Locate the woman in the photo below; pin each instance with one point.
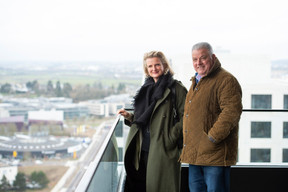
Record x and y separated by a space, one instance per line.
152 148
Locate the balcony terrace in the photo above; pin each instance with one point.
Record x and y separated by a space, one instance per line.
107 174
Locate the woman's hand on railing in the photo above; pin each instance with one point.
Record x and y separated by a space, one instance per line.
125 114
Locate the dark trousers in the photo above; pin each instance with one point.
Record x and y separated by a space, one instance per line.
137 182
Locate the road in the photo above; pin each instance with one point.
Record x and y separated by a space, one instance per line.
72 177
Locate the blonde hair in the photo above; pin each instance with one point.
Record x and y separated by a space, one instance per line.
162 58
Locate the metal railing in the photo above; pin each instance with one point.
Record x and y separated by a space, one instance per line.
107 173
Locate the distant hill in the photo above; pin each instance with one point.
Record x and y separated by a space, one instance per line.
73 72
69 65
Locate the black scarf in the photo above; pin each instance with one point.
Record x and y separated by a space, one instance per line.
146 98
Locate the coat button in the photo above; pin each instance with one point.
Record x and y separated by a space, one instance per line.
196 89
187 115
189 101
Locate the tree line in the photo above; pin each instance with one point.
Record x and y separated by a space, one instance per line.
37 180
77 93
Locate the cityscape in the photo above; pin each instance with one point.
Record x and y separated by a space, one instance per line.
67 66
48 129
41 130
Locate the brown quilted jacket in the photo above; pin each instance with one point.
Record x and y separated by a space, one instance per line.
210 123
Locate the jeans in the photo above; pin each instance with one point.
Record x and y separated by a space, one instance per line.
209 178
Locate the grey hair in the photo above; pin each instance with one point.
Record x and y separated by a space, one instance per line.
203 45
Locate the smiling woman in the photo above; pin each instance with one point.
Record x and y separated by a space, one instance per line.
152 143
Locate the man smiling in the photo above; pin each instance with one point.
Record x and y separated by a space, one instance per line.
210 124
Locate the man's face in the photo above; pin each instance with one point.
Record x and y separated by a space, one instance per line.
202 62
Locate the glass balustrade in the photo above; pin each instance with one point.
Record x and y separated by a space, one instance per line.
263 141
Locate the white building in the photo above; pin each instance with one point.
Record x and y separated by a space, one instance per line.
114 107
10 173
41 115
107 106
263 136
96 107
4 112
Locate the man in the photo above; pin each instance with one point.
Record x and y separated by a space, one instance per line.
212 112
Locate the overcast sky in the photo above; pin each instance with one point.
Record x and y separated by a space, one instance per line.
122 30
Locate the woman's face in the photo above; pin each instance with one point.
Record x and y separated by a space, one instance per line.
155 68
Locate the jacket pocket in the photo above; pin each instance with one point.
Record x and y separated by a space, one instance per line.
169 142
209 152
170 146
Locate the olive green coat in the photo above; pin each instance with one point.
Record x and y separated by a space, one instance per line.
210 123
163 167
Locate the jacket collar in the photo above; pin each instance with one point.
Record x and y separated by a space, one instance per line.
215 67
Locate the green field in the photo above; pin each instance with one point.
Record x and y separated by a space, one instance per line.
73 79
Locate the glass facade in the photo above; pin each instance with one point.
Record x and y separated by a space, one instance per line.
260 155
285 129
285 155
261 101
260 129
285 102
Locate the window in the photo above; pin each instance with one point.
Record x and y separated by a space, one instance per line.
261 102
285 102
285 156
260 155
260 129
285 129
